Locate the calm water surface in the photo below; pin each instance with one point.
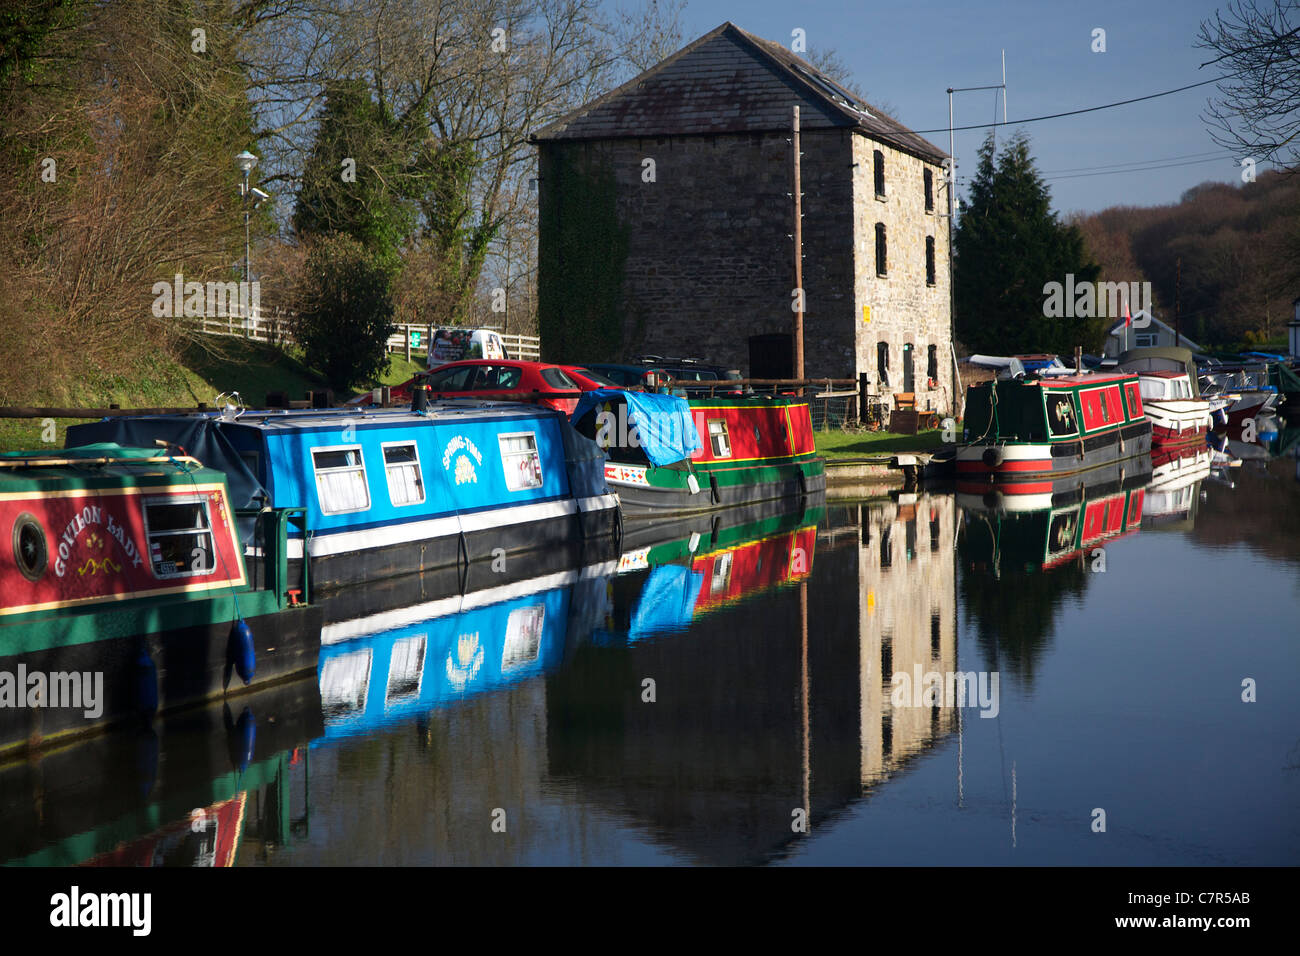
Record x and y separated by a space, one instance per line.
1115 640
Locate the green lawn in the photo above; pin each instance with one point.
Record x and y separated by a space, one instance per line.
400 370
846 444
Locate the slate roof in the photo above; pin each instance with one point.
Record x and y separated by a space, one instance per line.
730 81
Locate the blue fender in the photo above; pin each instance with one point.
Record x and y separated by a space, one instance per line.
243 650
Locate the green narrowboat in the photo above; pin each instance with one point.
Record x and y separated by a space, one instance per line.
123 591
1025 429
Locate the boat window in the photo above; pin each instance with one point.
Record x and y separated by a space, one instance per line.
405 482
720 580
1134 400
31 553
340 480
1153 388
519 459
179 531
405 669
344 682
1060 415
524 630
718 438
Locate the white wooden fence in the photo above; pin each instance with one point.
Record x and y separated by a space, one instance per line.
276 328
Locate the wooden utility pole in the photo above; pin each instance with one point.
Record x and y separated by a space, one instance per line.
1178 288
798 256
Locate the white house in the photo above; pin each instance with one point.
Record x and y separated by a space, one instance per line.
1146 331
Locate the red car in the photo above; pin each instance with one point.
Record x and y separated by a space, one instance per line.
502 379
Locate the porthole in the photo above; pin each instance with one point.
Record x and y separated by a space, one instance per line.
30 551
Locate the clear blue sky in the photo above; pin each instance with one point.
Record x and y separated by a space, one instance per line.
907 55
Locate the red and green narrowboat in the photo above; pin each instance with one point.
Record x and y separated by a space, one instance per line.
669 455
1016 533
1024 428
123 580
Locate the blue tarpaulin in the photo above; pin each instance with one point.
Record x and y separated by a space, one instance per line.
665 429
667 601
199 435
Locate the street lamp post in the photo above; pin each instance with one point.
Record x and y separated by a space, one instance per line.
246 161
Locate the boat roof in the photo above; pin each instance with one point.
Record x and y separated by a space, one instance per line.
1058 381
101 465
316 418
1091 379
1161 373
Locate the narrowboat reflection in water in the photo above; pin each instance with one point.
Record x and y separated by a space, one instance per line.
693 576
397 665
1055 522
392 665
209 836
129 797
1176 477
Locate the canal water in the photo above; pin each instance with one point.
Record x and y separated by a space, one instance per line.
766 689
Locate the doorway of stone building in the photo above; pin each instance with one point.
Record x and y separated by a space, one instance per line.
771 355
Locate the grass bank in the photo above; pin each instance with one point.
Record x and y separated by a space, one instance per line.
846 444
199 374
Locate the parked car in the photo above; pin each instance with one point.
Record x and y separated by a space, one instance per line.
588 379
502 379
623 376
691 376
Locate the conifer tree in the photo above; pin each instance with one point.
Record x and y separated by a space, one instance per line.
1008 245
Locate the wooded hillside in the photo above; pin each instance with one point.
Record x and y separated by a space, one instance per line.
1239 247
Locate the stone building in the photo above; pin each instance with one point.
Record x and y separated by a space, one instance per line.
666 222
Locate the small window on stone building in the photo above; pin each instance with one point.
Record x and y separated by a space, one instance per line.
929 260
882 254
932 364
928 176
878 164
882 363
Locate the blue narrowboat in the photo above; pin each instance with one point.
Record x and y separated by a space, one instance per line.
395 491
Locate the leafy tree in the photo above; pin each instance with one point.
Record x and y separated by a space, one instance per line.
1008 245
352 181
347 310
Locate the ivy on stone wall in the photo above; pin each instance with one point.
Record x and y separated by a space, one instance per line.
582 253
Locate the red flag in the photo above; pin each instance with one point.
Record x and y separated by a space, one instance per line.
1128 318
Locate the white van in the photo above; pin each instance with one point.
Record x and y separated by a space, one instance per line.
452 344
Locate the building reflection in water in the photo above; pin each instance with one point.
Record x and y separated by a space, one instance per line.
907 619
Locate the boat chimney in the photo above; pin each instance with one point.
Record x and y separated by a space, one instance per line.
419 398
1078 359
